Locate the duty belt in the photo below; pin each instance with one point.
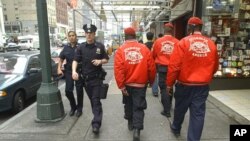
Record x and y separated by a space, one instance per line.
92 76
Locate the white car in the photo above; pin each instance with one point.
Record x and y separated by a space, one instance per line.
25 44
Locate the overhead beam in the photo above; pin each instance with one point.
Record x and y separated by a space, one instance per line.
126 10
92 8
131 0
114 15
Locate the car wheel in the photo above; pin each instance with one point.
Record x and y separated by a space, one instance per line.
18 102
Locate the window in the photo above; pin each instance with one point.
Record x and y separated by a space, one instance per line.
231 33
5 18
34 63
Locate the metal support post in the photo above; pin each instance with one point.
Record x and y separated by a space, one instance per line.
49 101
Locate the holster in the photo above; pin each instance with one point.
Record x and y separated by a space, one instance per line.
104 91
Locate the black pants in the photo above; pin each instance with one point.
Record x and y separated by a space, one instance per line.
192 98
134 106
166 99
69 91
93 88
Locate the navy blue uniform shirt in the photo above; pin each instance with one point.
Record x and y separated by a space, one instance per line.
85 53
68 53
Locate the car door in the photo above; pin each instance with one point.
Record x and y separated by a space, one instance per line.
34 75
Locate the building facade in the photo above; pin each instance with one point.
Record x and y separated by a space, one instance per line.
61 18
2 30
20 16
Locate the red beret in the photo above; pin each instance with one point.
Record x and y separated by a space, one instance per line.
195 21
129 31
169 25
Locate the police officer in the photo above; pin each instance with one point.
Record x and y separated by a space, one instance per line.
68 54
193 63
162 50
92 54
136 60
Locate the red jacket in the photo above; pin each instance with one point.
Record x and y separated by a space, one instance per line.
134 65
163 48
193 61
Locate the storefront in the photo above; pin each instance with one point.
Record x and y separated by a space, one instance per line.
180 13
227 22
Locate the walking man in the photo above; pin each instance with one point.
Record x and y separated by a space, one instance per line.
193 63
162 50
92 55
68 55
134 67
149 44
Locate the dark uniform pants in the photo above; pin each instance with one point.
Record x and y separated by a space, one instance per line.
135 104
166 99
194 98
93 88
69 91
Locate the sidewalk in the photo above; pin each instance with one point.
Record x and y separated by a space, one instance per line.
23 127
234 103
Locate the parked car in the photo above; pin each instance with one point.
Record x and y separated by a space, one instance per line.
20 78
1 46
11 47
25 45
55 52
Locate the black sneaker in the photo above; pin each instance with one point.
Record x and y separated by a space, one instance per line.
130 125
166 114
155 94
175 132
78 113
72 112
95 130
136 136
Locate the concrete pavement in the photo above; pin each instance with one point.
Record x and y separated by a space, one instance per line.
23 127
114 127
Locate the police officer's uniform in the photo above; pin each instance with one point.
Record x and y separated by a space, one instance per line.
68 54
92 75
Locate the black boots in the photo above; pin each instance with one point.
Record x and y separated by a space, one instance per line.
95 130
78 113
72 112
166 114
136 136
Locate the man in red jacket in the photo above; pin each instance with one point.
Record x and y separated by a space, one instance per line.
134 67
192 64
162 49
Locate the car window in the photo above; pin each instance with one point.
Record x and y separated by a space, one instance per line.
12 64
34 62
23 41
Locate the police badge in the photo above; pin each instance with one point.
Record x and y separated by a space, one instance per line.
98 51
